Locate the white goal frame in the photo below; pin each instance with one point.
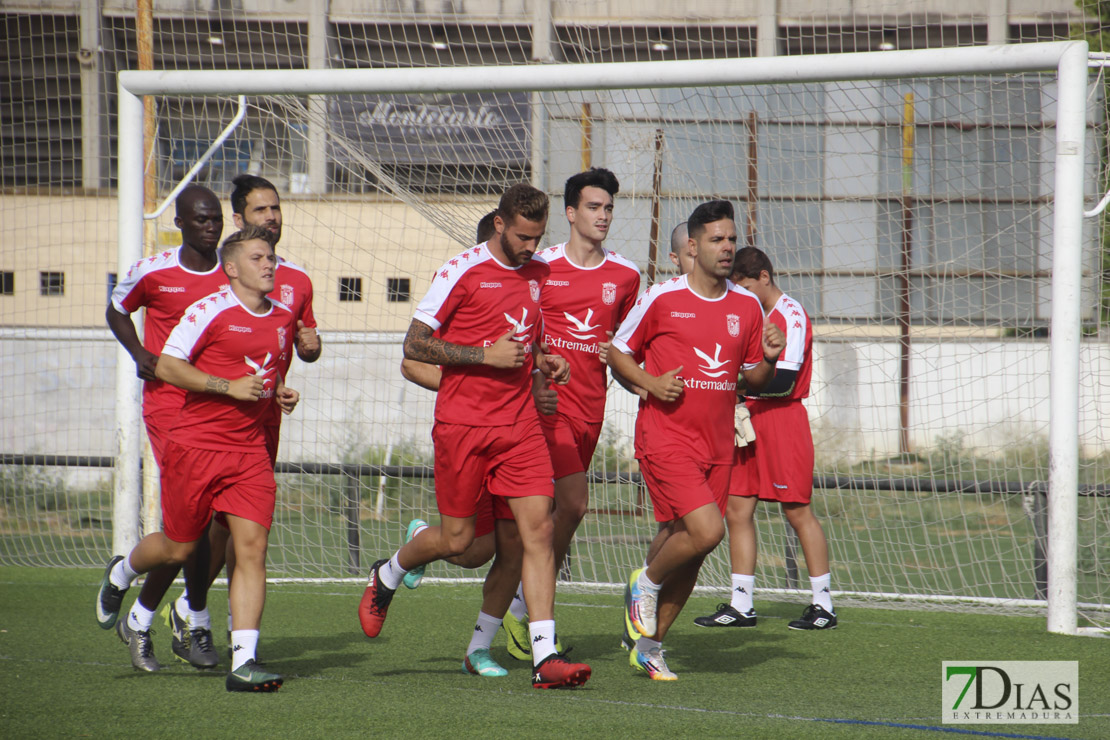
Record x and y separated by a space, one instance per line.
1067 59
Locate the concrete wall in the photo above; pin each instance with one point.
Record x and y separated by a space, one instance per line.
57 397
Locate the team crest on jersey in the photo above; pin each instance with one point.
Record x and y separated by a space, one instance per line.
281 333
287 294
534 289
609 293
733 322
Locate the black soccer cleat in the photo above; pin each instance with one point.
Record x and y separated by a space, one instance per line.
814 618
726 616
141 647
109 598
190 646
249 677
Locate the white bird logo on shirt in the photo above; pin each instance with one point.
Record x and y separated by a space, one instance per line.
520 329
712 363
582 326
261 369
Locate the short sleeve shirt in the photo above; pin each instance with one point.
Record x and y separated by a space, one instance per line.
712 340
581 304
219 336
473 300
165 288
789 316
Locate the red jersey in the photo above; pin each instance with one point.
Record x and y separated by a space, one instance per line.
789 316
580 304
165 288
712 340
474 300
293 288
219 336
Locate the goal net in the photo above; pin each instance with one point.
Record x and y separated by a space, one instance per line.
912 213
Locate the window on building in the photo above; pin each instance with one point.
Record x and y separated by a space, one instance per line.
397 290
52 283
350 289
7 283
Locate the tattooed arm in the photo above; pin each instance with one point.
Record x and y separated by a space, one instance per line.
421 346
176 371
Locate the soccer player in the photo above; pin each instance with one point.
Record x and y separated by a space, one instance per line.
490 534
487 432
230 352
165 285
588 293
714 330
778 465
682 257
255 202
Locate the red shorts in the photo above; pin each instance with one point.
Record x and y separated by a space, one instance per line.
505 461
571 441
679 485
778 466
196 482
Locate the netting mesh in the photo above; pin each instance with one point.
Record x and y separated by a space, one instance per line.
958 221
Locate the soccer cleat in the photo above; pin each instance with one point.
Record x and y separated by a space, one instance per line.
629 635
517 640
556 672
141 647
413 577
190 646
375 602
652 663
627 643
481 663
726 616
640 606
814 618
249 677
109 598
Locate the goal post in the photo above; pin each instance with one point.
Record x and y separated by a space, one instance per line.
1066 60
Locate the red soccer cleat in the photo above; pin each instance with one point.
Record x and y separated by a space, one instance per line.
375 602
556 672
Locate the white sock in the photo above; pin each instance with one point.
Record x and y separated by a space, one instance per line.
543 639
644 644
121 575
519 608
484 630
392 573
647 584
822 596
742 588
139 618
244 643
646 563
197 620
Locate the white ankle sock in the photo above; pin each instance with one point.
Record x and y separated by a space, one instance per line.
121 575
822 595
484 630
392 573
518 608
646 583
742 588
244 644
139 618
543 639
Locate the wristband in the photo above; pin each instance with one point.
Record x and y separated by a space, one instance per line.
769 361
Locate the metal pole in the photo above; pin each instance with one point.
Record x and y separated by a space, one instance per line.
317 163
541 52
125 506
753 178
1063 435
656 197
904 276
89 58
